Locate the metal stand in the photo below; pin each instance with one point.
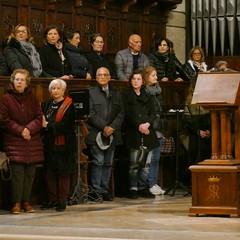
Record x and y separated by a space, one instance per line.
80 191
177 182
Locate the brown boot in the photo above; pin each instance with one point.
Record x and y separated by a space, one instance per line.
16 209
27 207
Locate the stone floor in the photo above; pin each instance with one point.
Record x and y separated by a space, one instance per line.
165 217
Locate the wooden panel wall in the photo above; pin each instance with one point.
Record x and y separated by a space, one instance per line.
115 19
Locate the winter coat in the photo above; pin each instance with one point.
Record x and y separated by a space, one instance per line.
52 63
192 69
59 158
105 111
99 60
167 65
4 71
138 110
19 111
78 63
16 58
124 63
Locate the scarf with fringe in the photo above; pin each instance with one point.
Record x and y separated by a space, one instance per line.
60 140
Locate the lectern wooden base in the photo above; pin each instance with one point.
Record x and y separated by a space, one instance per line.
216 188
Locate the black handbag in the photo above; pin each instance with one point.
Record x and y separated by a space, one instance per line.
140 155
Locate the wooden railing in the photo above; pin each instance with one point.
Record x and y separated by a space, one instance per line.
174 93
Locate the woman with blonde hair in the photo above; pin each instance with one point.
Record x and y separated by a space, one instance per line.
152 87
20 53
196 63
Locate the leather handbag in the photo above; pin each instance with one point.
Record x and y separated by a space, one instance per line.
5 166
139 156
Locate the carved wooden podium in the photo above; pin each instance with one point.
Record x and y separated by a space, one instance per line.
216 181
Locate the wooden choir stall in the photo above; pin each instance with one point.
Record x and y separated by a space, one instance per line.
216 181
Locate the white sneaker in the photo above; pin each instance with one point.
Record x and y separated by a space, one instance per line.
156 190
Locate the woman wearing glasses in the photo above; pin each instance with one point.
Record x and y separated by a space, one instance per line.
96 57
196 63
20 53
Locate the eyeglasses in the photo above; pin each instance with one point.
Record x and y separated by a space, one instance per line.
21 31
197 53
99 42
103 75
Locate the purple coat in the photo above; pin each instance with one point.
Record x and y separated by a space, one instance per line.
19 111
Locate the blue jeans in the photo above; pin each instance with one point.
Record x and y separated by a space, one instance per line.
101 168
154 164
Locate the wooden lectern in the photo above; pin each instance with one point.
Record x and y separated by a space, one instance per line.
216 181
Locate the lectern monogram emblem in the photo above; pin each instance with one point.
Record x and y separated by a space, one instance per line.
213 187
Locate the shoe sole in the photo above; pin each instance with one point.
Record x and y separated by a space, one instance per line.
30 211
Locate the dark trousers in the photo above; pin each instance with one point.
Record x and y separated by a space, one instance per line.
58 185
21 182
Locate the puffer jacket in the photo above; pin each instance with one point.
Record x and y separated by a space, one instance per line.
124 63
78 63
16 58
19 111
167 65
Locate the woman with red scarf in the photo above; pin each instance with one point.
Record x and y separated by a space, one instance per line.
59 144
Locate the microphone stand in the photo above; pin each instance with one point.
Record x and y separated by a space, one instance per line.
177 182
80 191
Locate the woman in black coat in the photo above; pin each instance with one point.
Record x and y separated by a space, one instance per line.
139 118
80 67
54 59
59 144
20 53
168 67
96 57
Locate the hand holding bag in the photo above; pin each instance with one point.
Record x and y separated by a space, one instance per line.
5 166
140 155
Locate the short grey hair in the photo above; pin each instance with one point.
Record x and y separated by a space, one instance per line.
220 63
57 81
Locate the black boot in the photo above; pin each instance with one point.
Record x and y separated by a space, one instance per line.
61 206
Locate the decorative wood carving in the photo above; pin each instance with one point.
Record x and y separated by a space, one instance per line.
149 6
88 30
78 3
127 5
37 25
8 23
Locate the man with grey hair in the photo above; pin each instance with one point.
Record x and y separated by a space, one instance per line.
104 125
131 58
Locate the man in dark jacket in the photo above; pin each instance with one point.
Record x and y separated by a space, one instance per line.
104 125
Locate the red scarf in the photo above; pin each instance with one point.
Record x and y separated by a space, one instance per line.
60 140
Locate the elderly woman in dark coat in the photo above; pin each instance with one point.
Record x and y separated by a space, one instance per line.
139 118
21 122
59 144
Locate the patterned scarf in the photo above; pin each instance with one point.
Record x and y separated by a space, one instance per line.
153 89
32 53
59 47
